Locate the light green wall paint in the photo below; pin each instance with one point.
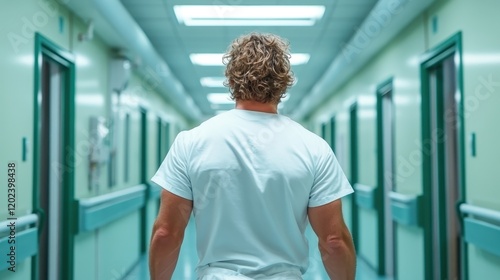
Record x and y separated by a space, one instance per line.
17 88
91 91
118 247
152 144
342 141
482 265
85 262
92 59
367 139
410 244
23 271
152 213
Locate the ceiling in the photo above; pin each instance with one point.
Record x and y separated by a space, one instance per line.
174 42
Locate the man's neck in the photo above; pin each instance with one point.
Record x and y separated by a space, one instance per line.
257 106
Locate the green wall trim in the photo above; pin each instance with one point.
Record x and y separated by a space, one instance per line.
482 235
26 246
405 209
365 196
98 211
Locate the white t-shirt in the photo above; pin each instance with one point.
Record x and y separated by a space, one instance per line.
252 176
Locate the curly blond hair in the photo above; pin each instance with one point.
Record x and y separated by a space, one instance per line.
258 68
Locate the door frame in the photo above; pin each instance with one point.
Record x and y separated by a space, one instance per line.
381 91
332 133
323 130
45 47
143 112
160 140
433 57
353 163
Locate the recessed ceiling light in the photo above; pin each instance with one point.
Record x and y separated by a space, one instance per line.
299 58
220 98
234 15
206 59
212 81
215 59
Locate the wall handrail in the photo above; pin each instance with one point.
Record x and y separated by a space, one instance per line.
365 196
405 208
480 212
363 188
399 197
93 201
99 211
21 222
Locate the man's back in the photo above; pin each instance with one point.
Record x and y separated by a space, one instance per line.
252 176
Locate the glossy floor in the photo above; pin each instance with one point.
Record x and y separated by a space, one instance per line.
188 258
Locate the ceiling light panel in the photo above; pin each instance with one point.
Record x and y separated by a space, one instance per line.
215 59
299 58
234 15
220 98
212 81
206 59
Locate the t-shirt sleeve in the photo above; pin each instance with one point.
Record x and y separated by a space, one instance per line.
173 172
330 182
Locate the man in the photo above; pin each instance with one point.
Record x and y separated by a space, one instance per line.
252 179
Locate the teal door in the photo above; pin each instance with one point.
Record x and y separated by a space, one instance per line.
443 169
53 160
385 178
52 89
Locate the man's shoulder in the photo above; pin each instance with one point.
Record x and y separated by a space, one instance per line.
211 123
207 127
309 135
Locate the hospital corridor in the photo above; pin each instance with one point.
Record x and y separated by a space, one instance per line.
402 95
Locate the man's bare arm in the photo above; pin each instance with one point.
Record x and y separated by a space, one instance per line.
167 236
335 241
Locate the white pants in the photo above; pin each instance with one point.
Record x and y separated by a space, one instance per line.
225 274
